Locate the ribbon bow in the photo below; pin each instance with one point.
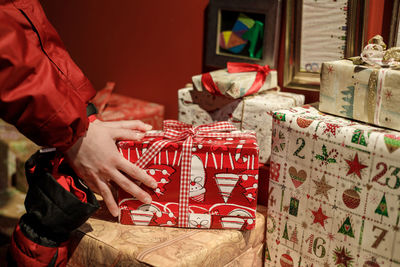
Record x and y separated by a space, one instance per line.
235 67
177 131
375 54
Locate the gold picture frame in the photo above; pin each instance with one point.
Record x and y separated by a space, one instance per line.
394 38
293 77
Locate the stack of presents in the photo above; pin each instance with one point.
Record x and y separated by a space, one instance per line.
250 176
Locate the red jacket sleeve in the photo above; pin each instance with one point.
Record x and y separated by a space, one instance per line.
42 92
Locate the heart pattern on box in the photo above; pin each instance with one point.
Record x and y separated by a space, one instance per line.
298 177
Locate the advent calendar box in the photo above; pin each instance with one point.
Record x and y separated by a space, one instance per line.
207 177
334 192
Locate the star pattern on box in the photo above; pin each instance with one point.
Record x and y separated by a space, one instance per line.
342 197
388 94
322 187
342 257
330 69
355 166
319 217
278 141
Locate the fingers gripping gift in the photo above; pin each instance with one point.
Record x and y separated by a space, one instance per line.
207 177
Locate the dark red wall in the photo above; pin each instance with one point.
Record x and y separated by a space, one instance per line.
149 48
152 48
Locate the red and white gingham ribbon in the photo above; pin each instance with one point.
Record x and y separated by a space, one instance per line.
177 131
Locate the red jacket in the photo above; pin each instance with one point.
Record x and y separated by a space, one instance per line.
42 92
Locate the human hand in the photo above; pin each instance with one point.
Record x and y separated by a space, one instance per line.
96 159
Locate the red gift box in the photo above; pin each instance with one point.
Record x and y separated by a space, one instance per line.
207 177
115 107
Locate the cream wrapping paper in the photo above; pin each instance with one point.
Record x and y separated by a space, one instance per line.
11 209
102 242
334 192
235 85
362 93
15 149
248 113
253 257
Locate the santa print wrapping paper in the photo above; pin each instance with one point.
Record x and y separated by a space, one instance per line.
334 192
116 107
221 185
360 92
248 113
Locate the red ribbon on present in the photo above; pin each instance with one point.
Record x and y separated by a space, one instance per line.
178 131
235 67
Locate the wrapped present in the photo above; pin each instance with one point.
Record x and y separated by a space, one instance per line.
115 107
101 242
238 80
251 257
207 177
15 149
248 113
368 93
11 209
334 192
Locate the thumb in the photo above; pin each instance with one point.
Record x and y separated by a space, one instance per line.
126 134
130 124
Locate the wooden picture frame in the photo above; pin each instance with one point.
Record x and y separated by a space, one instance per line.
222 43
296 77
394 38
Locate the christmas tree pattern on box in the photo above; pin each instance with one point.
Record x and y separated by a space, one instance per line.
361 92
222 192
334 192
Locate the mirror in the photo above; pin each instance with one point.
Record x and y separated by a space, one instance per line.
395 25
320 31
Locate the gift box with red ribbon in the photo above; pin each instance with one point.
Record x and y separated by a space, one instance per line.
237 80
207 177
116 107
248 113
